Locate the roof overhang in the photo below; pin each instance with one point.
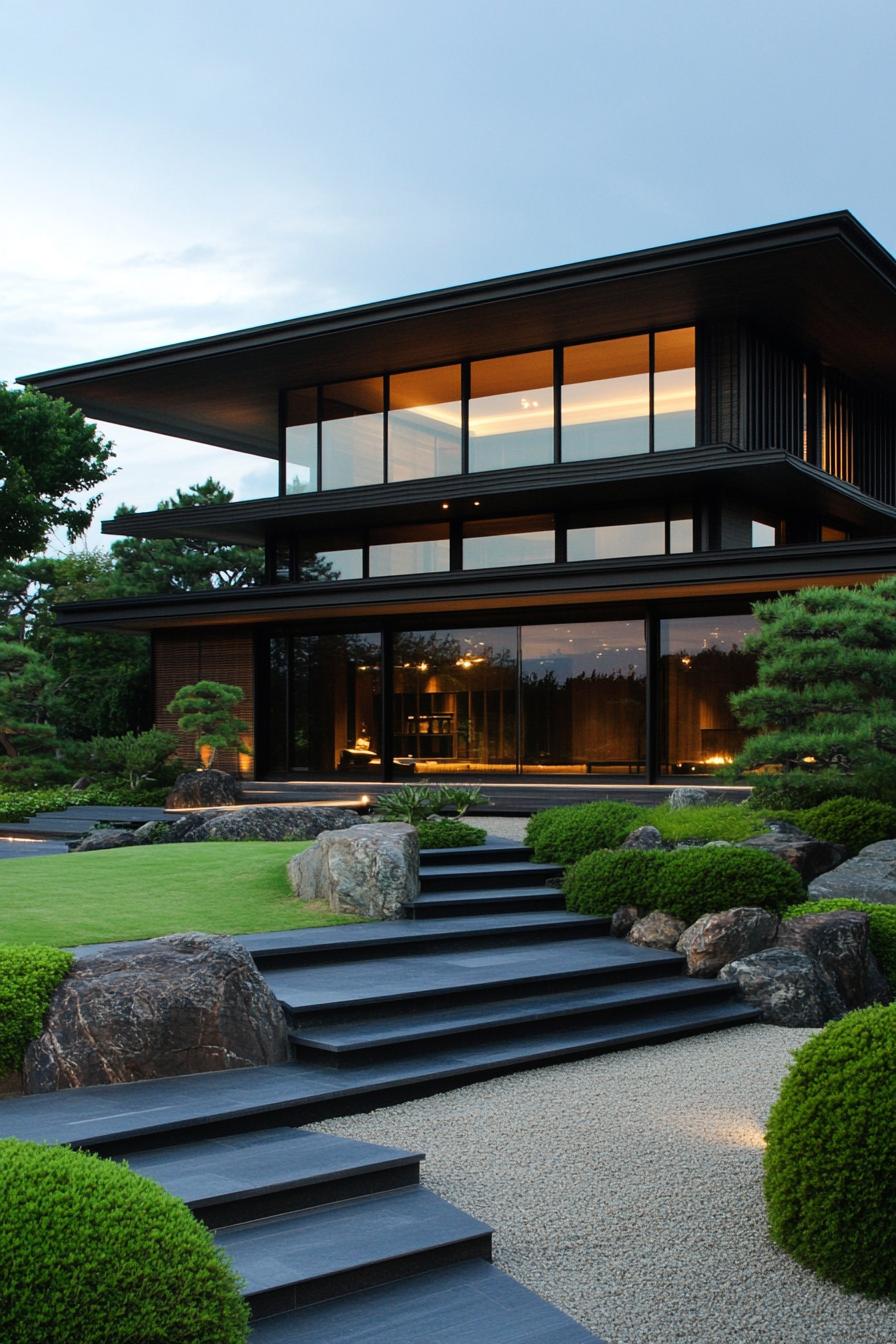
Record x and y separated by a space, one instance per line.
823 282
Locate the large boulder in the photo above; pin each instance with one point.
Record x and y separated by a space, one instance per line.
870 876
714 940
656 930
371 870
204 788
645 837
686 795
840 942
260 823
789 987
106 838
809 857
186 1003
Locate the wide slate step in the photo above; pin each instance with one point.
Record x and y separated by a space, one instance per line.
433 904
470 1303
234 1179
468 970
440 877
493 851
380 1031
120 1117
351 942
306 1257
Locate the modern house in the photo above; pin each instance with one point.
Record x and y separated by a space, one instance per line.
514 528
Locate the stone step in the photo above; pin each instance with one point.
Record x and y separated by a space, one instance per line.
440 877
263 1173
493 851
307 1257
411 1030
492 900
468 1303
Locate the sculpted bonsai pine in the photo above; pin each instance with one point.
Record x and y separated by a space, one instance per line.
207 711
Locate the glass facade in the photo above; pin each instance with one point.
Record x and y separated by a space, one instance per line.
674 390
511 414
409 550
301 442
605 409
629 532
425 423
492 544
352 434
702 662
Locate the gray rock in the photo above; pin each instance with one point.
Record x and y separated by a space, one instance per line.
622 920
369 869
656 930
186 1003
184 827
152 832
204 788
809 857
645 837
787 828
840 942
789 987
714 940
261 823
871 876
688 796
108 838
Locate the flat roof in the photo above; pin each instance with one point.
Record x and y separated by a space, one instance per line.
822 282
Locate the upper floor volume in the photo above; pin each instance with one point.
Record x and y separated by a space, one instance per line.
776 340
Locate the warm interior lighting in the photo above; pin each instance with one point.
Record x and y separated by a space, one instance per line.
718 760
809 760
686 660
445 506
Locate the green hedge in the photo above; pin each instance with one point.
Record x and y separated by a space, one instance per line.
93 1253
28 977
19 804
566 834
449 834
853 822
882 927
686 883
718 821
831 1154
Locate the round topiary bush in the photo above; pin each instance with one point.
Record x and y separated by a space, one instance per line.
567 834
449 833
830 1154
686 883
92 1253
882 927
852 822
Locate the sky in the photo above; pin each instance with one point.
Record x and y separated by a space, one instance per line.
178 169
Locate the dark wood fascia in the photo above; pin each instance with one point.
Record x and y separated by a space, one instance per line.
644 578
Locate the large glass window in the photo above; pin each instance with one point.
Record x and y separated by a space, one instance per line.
425 423
583 692
325 704
512 411
409 550
340 557
301 441
605 405
491 544
630 532
352 434
703 662
455 701
674 390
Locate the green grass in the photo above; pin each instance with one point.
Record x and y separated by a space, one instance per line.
118 894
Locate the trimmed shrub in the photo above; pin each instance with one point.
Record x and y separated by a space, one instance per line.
449 834
853 822
686 883
831 1153
882 927
94 1253
19 804
796 789
720 821
567 834
28 977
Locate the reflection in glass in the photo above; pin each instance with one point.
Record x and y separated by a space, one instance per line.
409 550
491 544
583 697
337 561
762 534
352 434
631 532
334 704
512 411
702 663
674 390
605 404
301 441
425 423
455 694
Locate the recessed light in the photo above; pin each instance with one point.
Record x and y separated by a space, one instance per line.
475 503
444 506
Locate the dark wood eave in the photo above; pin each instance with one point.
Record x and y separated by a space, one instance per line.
770 479
433 597
823 282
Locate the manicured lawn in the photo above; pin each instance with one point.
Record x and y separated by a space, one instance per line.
113 895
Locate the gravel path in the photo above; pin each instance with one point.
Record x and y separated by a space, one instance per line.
627 1190
508 828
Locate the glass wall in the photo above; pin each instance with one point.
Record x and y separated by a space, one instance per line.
583 698
425 423
341 558
674 390
455 701
424 549
702 663
512 411
352 434
301 441
324 712
605 406
634 531
491 544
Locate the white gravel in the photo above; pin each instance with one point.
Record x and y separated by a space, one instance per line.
627 1190
508 828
